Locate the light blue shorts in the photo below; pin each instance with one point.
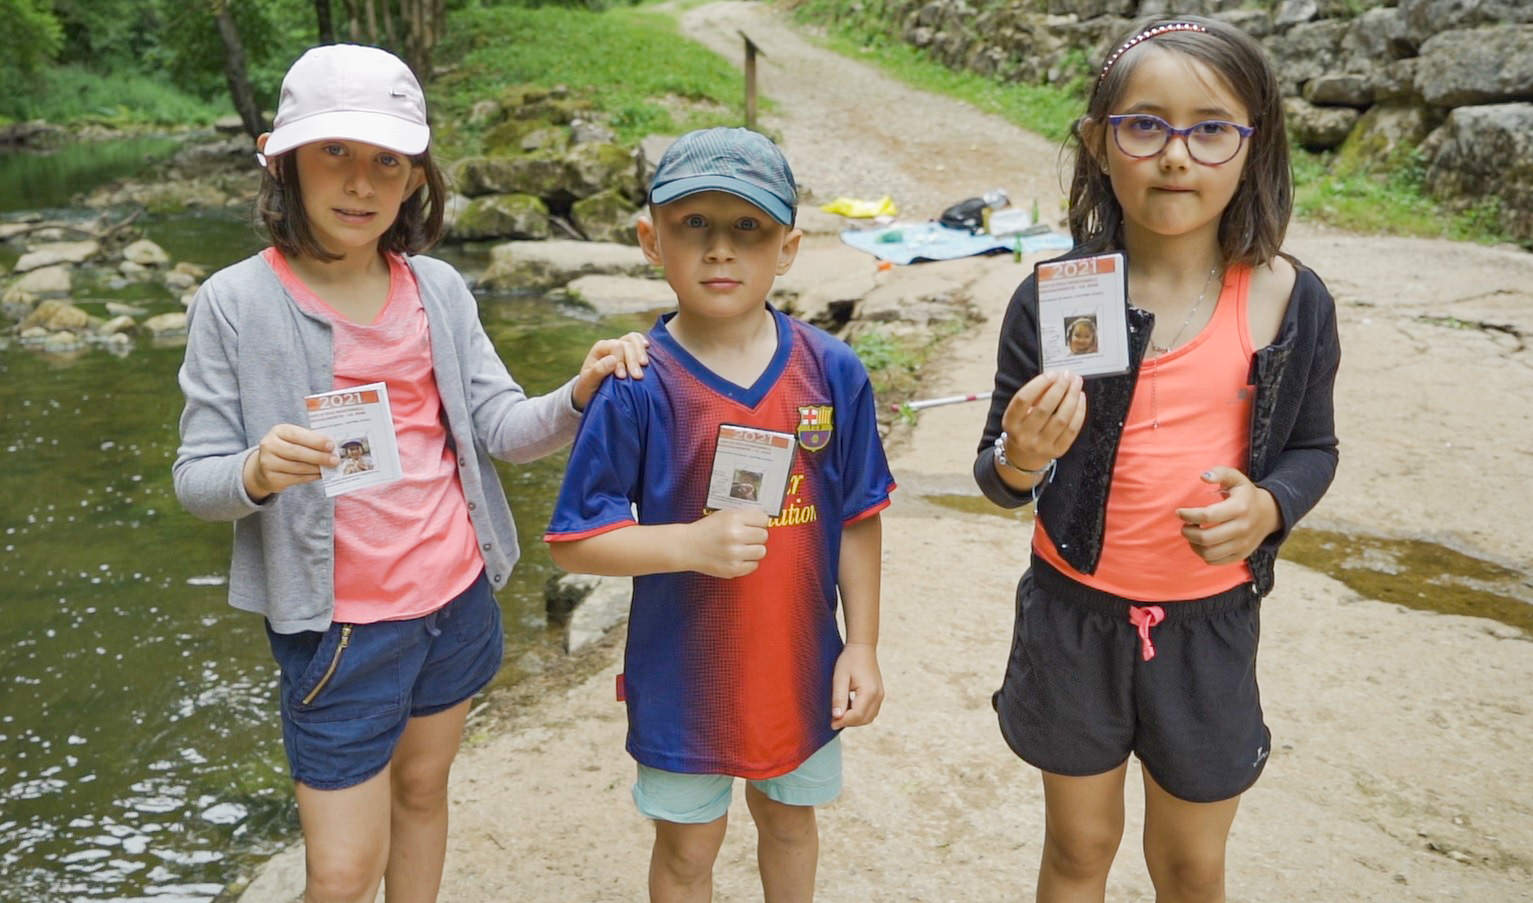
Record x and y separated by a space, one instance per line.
695 799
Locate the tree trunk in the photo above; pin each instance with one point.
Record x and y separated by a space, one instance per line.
354 27
325 22
422 20
234 70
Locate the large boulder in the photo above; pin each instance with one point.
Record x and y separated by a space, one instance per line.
552 139
1477 66
1376 37
1339 91
1486 152
55 315
1318 128
596 166
539 265
503 216
609 295
541 175
1425 18
1384 132
506 138
164 326
145 253
1308 51
606 216
48 282
56 253
1395 82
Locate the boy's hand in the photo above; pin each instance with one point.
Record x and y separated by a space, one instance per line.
623 356
1043 418
856 686
1229 530
286 456
728 543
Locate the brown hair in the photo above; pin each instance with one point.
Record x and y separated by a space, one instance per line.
1252 226
279 210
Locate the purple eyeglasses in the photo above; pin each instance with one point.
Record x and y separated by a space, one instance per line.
1210 142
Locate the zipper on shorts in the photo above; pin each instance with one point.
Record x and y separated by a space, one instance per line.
335 662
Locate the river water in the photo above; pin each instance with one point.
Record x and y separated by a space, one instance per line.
140 755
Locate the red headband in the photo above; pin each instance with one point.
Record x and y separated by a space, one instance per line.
1145 35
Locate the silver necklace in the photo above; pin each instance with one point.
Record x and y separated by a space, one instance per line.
1207 280
1164 349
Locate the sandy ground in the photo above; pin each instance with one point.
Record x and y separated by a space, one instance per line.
1401 768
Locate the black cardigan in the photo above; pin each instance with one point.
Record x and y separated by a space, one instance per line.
1293 433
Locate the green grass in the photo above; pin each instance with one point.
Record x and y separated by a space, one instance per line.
1389 200
632 63
1045 109
73 94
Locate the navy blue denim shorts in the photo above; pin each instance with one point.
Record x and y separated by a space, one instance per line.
347 692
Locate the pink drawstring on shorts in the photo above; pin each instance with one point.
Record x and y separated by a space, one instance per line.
1144 617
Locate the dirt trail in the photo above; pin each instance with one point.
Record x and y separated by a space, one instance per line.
1400 771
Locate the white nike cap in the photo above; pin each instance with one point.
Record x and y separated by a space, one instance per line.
351 93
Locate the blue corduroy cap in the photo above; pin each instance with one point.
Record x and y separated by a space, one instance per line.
742 162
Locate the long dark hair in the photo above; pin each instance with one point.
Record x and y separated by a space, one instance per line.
1252 226
280 213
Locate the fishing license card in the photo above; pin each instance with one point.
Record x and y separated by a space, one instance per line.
359 421
1082 314
750 468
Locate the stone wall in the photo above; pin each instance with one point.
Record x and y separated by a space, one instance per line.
1452 78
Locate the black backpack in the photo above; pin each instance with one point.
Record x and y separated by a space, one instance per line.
968 214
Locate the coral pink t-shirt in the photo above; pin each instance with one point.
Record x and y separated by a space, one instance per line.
404 549
1191 411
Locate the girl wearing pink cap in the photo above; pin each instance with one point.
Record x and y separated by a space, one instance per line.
379 603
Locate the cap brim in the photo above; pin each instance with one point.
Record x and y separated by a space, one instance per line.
381 129
680 188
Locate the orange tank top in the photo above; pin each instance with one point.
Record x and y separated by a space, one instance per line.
1191 411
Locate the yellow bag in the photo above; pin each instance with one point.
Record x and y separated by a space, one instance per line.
859 209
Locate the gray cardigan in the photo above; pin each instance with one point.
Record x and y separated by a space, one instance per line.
252 354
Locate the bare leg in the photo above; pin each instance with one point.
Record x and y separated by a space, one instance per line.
1083 827
787 847
418 816
1184 845
681 864
346 840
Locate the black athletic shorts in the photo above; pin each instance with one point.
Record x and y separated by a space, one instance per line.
1093 677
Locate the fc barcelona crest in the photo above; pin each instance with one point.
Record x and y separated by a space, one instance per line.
814 426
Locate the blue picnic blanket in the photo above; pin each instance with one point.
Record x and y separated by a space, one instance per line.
914 242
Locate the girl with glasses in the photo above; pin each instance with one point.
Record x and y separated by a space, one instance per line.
1164 493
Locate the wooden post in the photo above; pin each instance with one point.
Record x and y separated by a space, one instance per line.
751 52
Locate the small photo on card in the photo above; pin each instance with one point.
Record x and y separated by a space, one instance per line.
1082 315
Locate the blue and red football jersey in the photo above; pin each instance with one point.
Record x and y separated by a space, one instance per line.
730 676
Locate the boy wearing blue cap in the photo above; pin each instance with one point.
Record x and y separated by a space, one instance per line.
734 665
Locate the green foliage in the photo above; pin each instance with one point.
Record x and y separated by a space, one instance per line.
869 34
157 61
633 63
30 39
74 94
1390 199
